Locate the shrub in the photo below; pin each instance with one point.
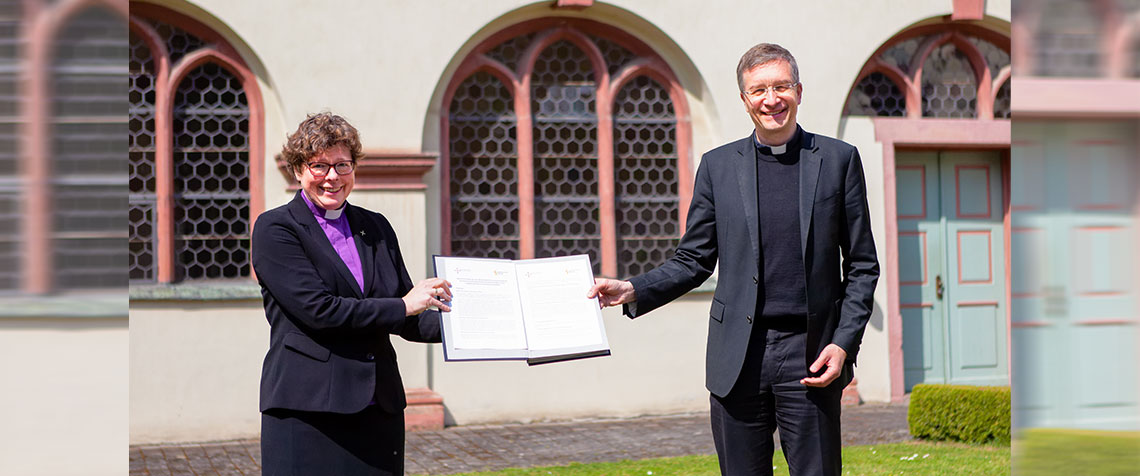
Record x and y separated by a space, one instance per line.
960 413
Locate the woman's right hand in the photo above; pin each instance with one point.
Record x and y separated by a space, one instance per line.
427 293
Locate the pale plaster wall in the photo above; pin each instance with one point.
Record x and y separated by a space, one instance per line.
63 403
195 370
365 76
386 74
873 366
656 367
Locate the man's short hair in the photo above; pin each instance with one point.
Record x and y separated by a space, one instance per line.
761 54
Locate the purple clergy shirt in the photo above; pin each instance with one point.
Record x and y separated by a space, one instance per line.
335 225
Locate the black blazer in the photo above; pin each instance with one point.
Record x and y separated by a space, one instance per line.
329 349
723 225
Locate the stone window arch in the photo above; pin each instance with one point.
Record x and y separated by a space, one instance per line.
949 70
62 212
1094 39
565 136
196 143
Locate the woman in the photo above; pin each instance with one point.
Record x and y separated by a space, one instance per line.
334 287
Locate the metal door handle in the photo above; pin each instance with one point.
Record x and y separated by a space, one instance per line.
938 287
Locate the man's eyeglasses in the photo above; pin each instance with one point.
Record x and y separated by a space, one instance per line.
778 89
320 169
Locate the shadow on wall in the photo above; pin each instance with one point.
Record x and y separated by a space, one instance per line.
876 317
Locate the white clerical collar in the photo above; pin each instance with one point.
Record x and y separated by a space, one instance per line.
777 149
321 212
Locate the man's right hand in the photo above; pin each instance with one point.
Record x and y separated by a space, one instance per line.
611 292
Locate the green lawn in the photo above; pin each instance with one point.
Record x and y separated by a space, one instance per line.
917 458
1064 452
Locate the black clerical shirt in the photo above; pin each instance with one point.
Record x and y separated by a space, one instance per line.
783 292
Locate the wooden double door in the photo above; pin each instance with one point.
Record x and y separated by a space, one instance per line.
1074 294
952 271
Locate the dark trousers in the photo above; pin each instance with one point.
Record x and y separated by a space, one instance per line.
296 443
767 396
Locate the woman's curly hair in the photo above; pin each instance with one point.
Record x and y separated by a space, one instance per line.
317 133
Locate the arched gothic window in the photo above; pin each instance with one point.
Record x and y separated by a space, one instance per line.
941 71
1062 39
62 211
565 137
195 152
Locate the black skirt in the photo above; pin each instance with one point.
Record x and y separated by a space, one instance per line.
297 443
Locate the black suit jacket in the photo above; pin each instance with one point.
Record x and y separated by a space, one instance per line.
329 349
835 231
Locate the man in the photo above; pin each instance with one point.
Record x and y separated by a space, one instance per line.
782 210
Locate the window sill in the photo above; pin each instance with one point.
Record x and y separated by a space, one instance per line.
78 305
238 290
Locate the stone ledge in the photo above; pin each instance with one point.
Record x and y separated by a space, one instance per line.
66 306
242 290
381 170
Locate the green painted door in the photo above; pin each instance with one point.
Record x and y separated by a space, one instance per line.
952 267
1074 288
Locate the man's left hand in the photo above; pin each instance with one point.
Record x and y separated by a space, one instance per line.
832 357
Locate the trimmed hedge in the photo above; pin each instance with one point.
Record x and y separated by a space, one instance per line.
960 413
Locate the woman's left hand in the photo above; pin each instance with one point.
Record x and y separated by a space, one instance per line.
427 293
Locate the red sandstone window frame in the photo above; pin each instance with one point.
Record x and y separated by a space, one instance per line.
167 78
550 31
42 26
937 35
1118 35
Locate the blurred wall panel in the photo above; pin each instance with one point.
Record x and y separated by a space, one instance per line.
63 247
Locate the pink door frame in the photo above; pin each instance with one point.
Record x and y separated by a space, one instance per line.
903 134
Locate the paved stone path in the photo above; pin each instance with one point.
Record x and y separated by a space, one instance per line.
492 447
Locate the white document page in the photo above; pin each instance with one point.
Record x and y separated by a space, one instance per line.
484 306
557 313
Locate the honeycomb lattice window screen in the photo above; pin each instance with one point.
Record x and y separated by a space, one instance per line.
211 179
141 263
565 154
484 170
648 207
902 53
1068 39
614 54
511 50
931 72
1003 102
196 226
178 42
581 133
88 123
996 58
949 88
876 95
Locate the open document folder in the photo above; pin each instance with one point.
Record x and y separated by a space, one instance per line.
532 309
